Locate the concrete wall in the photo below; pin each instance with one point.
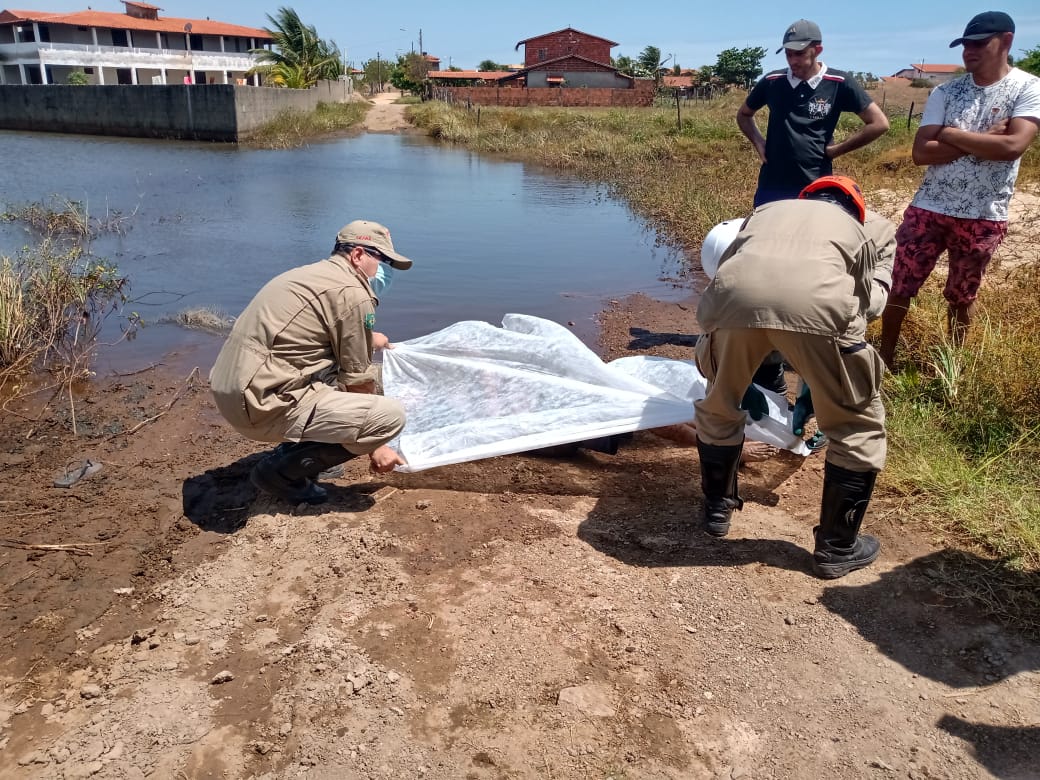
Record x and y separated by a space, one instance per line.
215 112
642 95
256 106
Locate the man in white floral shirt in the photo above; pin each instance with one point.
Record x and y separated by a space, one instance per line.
973 132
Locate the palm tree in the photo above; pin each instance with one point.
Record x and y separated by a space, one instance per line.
650 59
300 58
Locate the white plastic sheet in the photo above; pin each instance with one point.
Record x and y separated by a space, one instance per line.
474 391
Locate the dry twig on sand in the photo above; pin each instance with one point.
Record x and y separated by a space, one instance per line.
190 383
139 371
82 548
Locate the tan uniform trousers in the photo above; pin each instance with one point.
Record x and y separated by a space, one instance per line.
844 376
361 422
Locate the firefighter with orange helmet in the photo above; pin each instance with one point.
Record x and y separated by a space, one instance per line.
801 277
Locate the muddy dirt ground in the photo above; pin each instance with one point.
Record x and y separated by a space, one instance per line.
520 617
513 618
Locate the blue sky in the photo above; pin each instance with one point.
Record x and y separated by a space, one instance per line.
882 36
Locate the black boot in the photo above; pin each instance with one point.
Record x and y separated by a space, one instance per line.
290 470
840 548
719 483
332 472
771 376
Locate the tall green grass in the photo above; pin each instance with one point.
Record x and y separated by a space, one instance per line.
55 294
294 128
964 421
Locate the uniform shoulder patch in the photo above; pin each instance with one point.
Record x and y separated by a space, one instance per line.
370 321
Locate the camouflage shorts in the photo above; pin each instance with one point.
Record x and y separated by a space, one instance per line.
924 235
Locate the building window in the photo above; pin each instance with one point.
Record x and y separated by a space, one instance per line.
45 33
196 42
542 54
25 35
89 71
119 38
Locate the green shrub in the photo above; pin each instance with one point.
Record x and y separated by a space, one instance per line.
55 295
293 128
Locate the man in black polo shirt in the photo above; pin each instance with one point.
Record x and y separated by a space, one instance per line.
805 101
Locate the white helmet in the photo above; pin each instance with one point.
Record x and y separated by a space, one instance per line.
716 243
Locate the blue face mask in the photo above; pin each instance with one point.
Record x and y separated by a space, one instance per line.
380 283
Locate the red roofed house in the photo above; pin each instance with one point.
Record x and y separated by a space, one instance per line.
134 47
683 83
569 58
939 74
467 77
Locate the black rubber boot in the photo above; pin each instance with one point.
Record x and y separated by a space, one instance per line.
719 483
289 472
332 472
840 547
771 377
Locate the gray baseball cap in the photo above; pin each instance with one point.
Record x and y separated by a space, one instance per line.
800 34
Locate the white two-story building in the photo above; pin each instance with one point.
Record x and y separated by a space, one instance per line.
134 47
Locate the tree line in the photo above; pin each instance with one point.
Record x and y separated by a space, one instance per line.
300 58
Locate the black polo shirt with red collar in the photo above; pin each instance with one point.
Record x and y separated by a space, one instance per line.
801 124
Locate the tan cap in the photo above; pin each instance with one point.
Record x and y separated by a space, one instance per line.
361 232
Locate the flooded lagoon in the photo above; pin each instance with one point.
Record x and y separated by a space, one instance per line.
208 224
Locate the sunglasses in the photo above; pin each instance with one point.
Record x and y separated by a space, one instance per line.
978 44
377 255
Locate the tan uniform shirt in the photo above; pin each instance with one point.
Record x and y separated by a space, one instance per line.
796 265
309 326
883 233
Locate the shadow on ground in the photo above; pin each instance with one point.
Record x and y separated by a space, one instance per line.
223 499
1010 753
923 616
643 339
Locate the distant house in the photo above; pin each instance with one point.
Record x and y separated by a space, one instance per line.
466 78
682 83
568 58
939 74
134 47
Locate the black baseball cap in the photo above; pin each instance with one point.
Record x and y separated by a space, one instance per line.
986 25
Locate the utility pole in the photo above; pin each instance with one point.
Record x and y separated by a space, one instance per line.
421 52
379 72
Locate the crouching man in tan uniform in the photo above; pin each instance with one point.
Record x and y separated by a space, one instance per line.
800 277
297 367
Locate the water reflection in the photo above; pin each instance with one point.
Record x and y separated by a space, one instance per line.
211 223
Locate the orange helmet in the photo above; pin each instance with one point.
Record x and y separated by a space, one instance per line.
843 184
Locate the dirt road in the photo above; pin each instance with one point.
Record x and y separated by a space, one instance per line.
386 115
514 618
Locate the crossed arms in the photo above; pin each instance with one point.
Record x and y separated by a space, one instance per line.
1007 139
